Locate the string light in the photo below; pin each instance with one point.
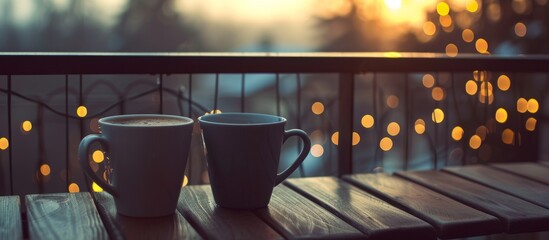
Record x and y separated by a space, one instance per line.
468 35
392 101
419 126
26 126
451 50
335 138
443 8
98 156
481 45
501 115
532 105
45 169
504 83
429 28
317 150
457 133
393 129
531 124
438 115
428 80
522 105
471 6
367 121
437 93
507 136
386 144
81 111
475 141
471 87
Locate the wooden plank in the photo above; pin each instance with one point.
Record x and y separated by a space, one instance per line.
450 218
119 226
375 218
526 189
10 218
196 203
530 170
63 216
518 215
296 217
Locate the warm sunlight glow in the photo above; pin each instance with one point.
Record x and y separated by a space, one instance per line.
367 121
317 150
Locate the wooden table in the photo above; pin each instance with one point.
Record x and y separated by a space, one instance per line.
452 203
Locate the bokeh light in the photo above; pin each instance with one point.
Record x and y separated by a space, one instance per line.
428 80
81 111
457 133
531 124
501 115
475 142
73 188
471 87
481 45
4 143
96 188
471 5
504 82
335 138
437 93
438 115
443 8
185 181
26 126
367 121
98 156
451 50
468 35
45 169
317 150
486 89
386 144
445 21
419 126
520 29
392 101
393 128
532 105
355 138
429 28
507 136
522 105
317 108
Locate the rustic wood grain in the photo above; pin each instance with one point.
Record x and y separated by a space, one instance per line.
450 218
530 170
169 227
518 215
196 203
63 216
375 218
296 217
520 187
10 218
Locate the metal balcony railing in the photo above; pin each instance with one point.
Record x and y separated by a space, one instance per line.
385 98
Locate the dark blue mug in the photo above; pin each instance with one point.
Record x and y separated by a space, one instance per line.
242 152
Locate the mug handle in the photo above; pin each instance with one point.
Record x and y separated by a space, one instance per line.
302 155
83 150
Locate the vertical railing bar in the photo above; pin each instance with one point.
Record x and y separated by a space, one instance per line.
407 119
67 130
10 152
298 92
346 110
216 92
190 100
277 90
376 117
161 92
243 94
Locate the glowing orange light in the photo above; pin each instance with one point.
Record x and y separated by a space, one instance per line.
443 8
367 121
501 115
457 133
317 150
428 80
45 169
98 156
185 181
532 105
96 188
335 138
472 6
445 21
356 138
507 136
522 105
481 45
520 29
393 129
392 101
386 144
468 35
4 143
437 93
475 142
317 108
26 126
504 83
73 188
451 50
531 124
471 87
419 126
81 111
438 115
429 28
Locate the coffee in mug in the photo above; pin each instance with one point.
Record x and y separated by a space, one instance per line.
148 154
242 152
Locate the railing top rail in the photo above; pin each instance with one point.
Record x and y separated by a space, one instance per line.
27 63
